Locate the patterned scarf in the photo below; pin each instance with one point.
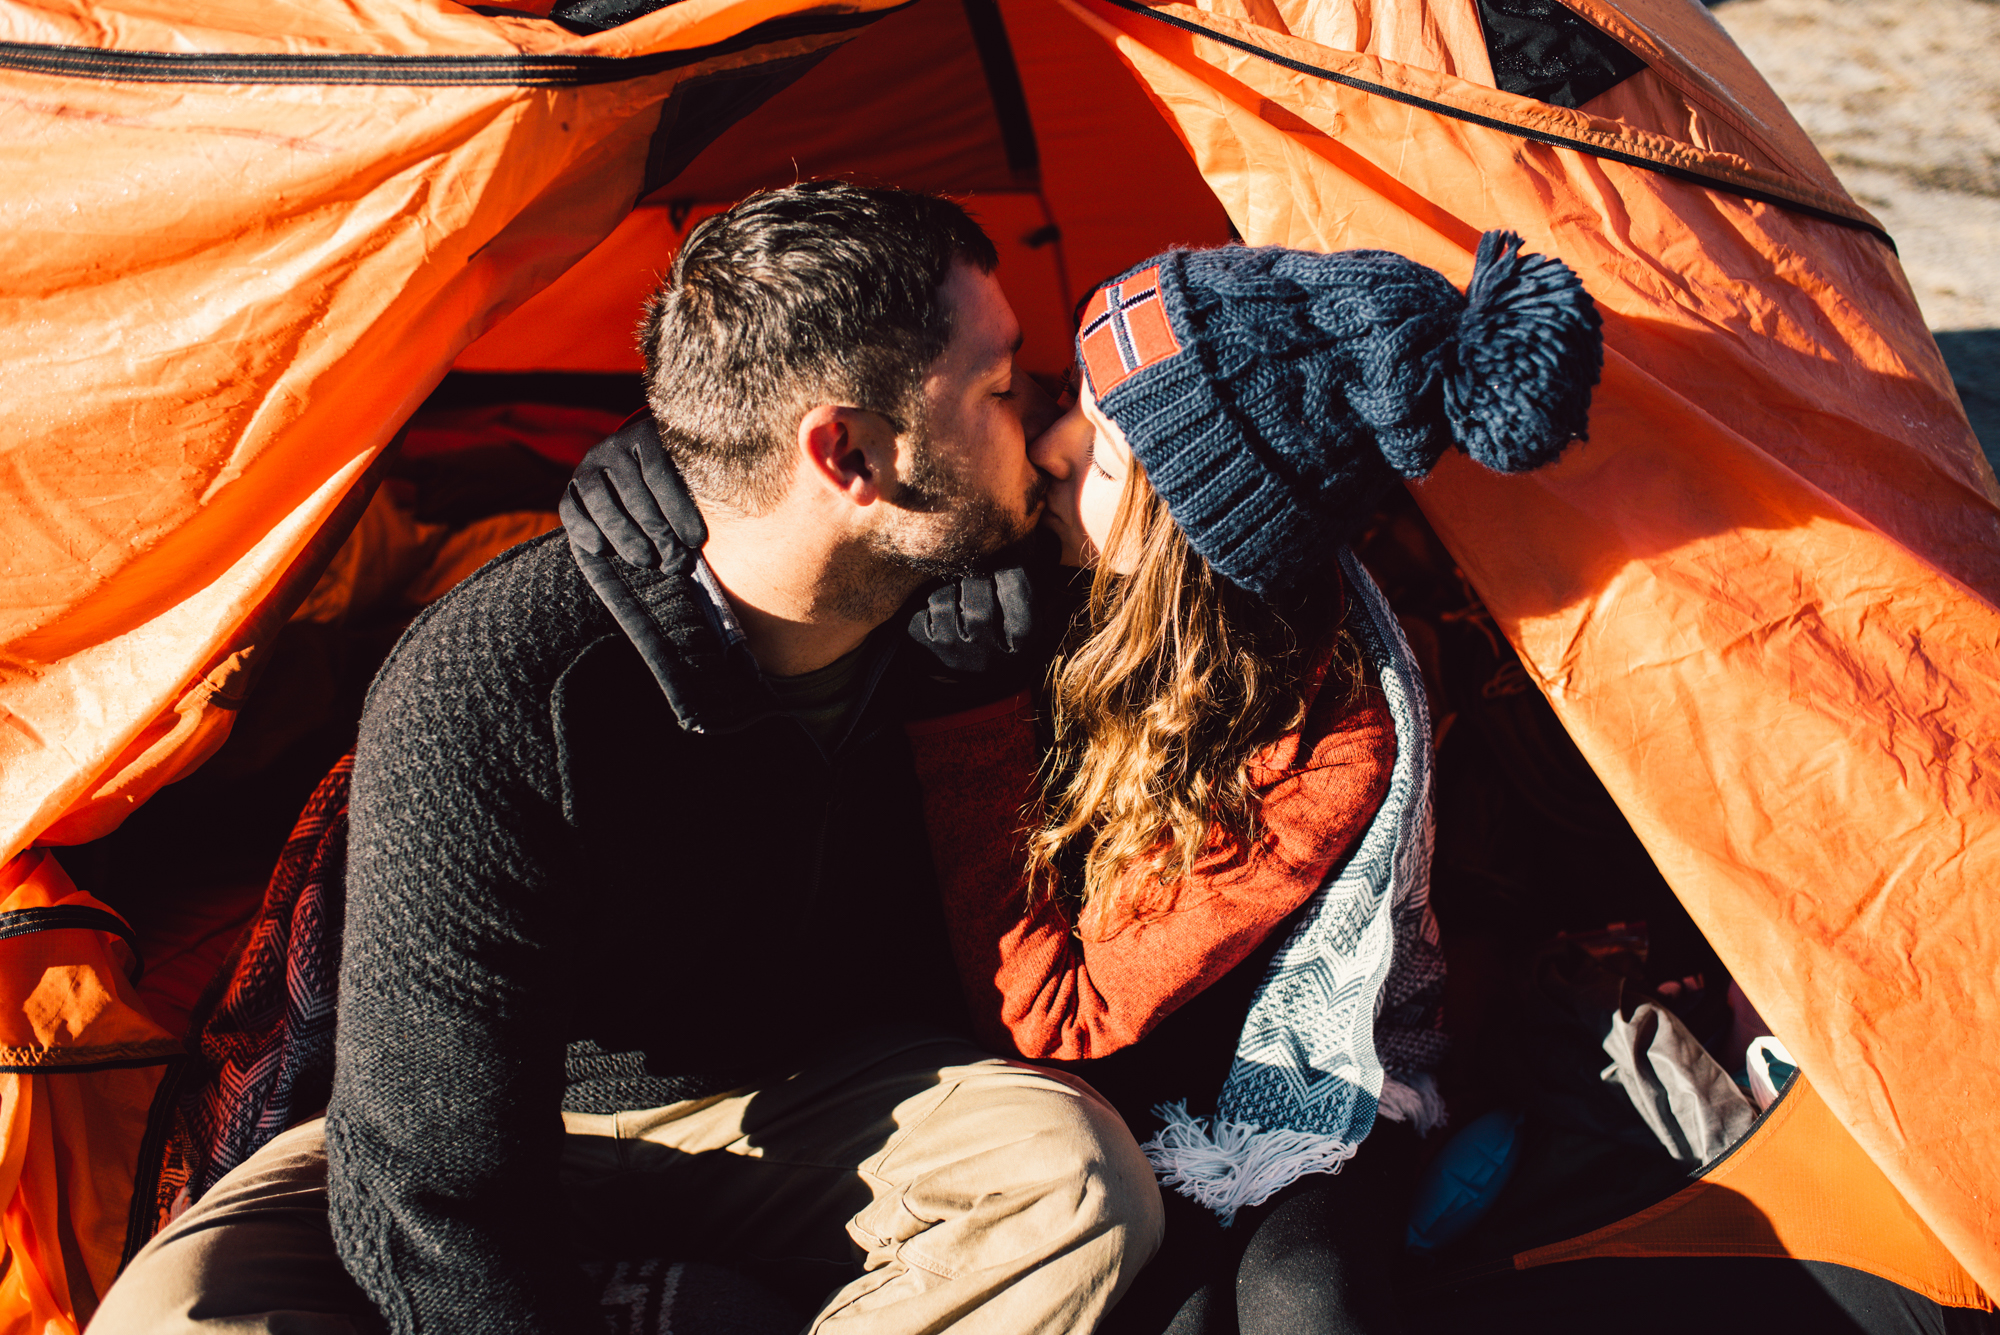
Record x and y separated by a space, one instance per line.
1347 1022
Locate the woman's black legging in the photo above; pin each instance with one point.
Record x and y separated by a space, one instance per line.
1320 1256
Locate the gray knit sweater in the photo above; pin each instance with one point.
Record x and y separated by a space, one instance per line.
561 896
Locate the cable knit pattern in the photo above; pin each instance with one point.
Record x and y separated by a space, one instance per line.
1285 390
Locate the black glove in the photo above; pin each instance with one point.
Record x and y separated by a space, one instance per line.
626 514
627 498
991 634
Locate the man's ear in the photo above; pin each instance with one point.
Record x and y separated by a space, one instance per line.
848 450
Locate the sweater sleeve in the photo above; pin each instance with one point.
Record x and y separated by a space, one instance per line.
444 1131
1039 986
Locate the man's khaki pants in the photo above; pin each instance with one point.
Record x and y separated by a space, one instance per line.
934 1187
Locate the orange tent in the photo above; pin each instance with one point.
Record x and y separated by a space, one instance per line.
1762 599
271 284
293 222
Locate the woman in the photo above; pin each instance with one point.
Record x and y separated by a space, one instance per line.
1219 909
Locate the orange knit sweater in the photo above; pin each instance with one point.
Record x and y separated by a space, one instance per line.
1051 989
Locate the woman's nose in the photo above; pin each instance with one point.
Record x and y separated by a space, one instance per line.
1056 451
1043 455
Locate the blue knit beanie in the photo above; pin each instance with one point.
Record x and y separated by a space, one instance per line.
1273 395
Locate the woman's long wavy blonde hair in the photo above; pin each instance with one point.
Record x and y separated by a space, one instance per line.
1179 680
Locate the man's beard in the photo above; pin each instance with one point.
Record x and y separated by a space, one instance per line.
954 527
951 530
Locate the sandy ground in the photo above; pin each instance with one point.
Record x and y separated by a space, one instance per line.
1903 98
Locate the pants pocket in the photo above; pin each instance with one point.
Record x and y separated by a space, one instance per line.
885 1230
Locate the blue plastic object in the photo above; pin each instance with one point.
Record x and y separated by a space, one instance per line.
1464 1180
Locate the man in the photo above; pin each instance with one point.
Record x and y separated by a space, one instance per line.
642 952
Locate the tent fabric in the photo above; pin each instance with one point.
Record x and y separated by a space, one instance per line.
586 321
1761 598
914 81
434 167
1796 1186
293 220
81 1066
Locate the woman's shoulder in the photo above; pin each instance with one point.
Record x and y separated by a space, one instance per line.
1347 721
1335 771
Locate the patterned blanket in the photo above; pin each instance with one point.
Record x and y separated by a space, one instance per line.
1348 1020
263 1057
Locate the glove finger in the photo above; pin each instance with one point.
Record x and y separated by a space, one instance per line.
939 626
625 476
979 612
1014 599
671 502
606 508
631 516
938 618
584 534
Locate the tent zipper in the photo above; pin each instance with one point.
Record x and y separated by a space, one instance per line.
1508 127
73 917
524 71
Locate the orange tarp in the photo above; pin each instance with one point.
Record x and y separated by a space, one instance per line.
1109 180
242 242
587 320
80 1062
1797 1186
213 330
1762 598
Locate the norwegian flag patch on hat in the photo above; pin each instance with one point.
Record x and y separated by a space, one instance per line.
1125 330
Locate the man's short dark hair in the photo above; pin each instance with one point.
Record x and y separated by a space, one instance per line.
824 292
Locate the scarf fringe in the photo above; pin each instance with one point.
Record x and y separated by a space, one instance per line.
1413 1098
1235 1165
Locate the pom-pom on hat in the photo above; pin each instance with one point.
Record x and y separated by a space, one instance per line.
1273 395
